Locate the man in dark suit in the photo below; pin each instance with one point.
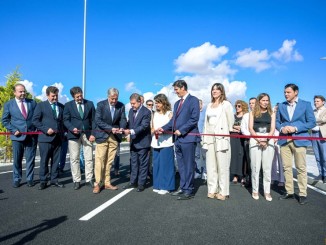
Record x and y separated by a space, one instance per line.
17 118
48 118
184 121
78 117
294 118
110 119
139 129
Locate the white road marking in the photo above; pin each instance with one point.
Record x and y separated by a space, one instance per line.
313 188
12 171
104 205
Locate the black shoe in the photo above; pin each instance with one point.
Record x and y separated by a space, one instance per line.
177 193
140 188
42 186
185 196
76 185
90 183
286 196
16 184
57 184
129 186
30 183
303 200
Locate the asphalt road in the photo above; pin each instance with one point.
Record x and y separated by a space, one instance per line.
52 216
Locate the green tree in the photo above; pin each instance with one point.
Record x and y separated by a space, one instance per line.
6 93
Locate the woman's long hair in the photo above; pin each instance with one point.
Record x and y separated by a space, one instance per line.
219 86
161 98
257 110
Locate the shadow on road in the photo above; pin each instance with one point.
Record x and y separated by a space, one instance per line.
35 230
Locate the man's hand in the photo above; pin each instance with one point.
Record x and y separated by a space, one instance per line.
91 138
17 133
75 131
126 131
177 132
50 131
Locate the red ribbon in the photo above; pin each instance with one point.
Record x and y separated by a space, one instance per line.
255 136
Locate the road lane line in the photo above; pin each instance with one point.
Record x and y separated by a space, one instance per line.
104 205
313 188
12 171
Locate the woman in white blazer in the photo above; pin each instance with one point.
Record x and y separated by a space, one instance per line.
219 120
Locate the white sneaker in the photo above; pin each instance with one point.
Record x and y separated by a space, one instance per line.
156 190
163 192
204 176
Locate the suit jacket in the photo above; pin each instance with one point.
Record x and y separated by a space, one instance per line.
72 119
225 121
43 120
186 121
142 128
13 119
303 119
105 122
321 122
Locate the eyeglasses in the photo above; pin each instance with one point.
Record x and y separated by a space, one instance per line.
149 104
238 106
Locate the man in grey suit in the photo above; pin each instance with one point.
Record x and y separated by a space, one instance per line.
17 118
48 118
110 119
78 117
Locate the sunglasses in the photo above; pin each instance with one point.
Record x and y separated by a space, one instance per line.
238 106
149 104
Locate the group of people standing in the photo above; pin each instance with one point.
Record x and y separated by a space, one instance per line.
235 145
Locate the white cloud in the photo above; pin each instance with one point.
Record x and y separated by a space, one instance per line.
256 59
286 53
200 59
29 86
62 97
261 60
131 87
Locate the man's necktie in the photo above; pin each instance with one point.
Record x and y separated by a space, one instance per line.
112 111
134 116
177 113
80 110
22 106
54 110
179 107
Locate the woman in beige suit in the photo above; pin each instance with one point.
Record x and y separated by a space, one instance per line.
219 119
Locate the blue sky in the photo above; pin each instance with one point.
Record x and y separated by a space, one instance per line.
143 46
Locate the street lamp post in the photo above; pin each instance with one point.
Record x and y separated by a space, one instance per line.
84 48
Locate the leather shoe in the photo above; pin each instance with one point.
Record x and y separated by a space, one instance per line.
286 196
129 186
96 189
110 187
177 193
140 188
16 184
57 184
185 196
76 185
303 200
90 183
30 183
42 186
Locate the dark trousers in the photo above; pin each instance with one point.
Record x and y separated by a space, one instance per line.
27 146
50 152
139 159
185 153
